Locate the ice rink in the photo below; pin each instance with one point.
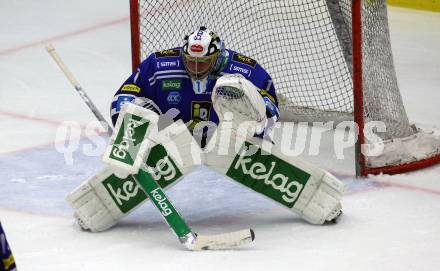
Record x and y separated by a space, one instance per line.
389 222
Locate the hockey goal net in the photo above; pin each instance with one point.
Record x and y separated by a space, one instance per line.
330 60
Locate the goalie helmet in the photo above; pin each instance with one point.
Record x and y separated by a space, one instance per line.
201 53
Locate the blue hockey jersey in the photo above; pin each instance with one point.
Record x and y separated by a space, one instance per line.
162 78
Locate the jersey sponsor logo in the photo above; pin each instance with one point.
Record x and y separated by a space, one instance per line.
268 175
126 193
171 84
174 97
129 139
244 59
196 48
168 64
167 53
131 87
200 111
241 70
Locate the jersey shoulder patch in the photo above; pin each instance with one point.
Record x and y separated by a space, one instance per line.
130 88
244 60
167 53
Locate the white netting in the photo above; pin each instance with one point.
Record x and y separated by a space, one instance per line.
304 44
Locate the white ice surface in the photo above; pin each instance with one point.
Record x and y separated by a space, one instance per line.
390 222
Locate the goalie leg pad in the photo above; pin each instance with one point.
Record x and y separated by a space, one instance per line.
311 192
104 199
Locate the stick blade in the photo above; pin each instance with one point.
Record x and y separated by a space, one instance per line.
224 241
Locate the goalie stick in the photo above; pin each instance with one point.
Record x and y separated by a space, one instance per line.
51 50
136 131
187 237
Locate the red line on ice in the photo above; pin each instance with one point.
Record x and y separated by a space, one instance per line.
385 184
63 36
30 148
26 117
408 187
41 120
26 212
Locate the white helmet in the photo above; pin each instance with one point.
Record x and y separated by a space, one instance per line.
201 52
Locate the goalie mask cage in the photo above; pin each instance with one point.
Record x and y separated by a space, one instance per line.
330 60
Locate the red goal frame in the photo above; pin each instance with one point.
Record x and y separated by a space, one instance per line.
358 97
358 107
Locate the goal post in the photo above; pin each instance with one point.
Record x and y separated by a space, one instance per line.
331 60
358 97
135 35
